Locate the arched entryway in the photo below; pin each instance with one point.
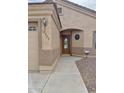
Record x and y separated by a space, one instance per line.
71 39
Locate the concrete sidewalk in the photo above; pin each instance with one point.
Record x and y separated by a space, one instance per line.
64 79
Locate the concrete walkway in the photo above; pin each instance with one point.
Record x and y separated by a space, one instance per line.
64 79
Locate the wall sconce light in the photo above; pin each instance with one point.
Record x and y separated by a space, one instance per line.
45 22
86 54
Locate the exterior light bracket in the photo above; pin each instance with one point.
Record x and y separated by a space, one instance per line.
45 22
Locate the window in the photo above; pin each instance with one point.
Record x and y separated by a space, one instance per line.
60 11
32 29
65 43
94 39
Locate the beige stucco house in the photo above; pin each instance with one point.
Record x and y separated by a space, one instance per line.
58 27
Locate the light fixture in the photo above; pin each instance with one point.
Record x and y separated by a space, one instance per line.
86 53
45 22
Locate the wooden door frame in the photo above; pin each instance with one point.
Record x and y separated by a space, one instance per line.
69 33
68 49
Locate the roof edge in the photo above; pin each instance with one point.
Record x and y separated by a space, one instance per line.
75 4
80 6
55 6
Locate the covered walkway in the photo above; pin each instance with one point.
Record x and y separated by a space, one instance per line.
65 78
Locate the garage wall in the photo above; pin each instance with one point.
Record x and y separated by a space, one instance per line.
33 53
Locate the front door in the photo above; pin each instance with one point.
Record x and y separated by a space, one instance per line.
66 44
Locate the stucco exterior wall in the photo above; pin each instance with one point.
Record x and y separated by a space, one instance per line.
33 53
71 18
50 51
77 45
47 37
55 39
44 51
55 35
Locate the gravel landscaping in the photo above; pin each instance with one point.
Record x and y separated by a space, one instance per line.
87 69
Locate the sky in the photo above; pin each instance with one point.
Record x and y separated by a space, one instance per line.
87 3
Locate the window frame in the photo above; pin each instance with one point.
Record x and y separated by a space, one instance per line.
60 9
32 28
